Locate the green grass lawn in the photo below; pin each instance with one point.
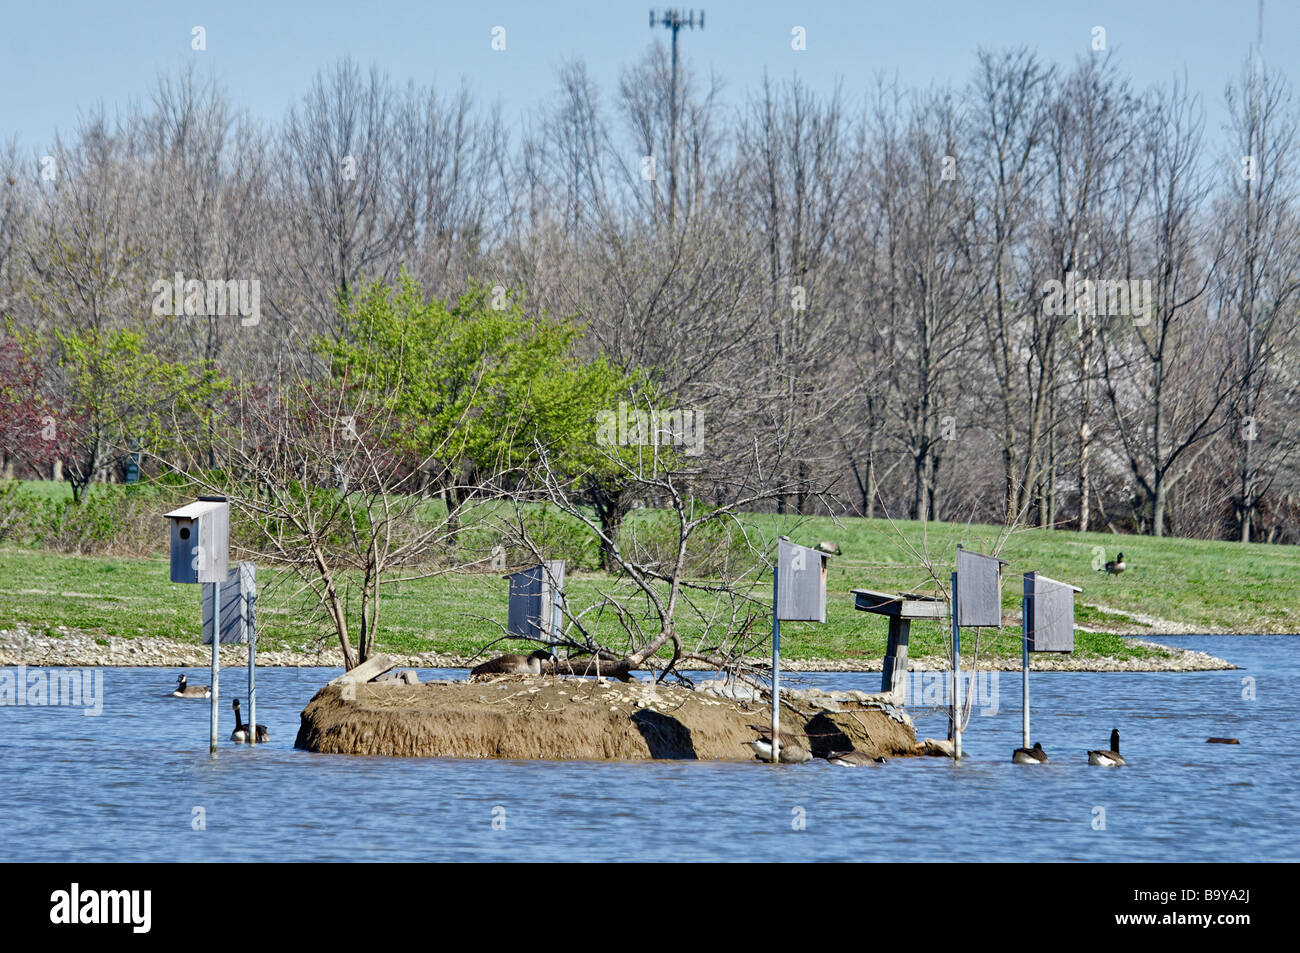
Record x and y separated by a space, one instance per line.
49 489
1207 585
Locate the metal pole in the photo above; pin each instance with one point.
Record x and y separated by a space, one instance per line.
251 631
672 134
1024 665
555 618
956 676
672 19
216 660
776 673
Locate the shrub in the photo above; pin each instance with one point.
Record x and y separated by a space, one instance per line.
713 550
558 537
111 519
16 506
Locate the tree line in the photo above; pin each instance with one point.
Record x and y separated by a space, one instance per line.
1042 295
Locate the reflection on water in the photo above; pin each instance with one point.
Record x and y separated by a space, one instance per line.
133 783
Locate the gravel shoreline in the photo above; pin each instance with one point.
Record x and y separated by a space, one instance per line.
66 648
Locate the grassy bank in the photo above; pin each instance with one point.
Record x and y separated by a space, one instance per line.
1171 585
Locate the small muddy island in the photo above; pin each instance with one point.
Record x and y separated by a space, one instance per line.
547 717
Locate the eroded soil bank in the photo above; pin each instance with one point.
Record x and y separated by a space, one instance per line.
548 718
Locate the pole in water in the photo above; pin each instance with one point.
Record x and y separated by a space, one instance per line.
216 667
251 632
955 700
555 621
776 672
1024 666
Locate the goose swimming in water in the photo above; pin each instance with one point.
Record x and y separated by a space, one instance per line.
853 759
186 690
792 752
240 735
513 664
1034 755
1111 758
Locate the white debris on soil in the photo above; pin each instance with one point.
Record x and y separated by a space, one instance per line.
65 647
1150 624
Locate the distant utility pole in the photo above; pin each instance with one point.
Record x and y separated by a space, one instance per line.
674 20
1259 39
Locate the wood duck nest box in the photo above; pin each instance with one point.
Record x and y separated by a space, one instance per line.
200 541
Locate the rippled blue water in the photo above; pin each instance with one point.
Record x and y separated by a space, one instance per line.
123 786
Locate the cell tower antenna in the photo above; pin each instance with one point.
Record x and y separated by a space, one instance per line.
1259 37
674 20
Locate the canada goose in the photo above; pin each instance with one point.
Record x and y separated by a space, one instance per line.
1111 758
513 664
185 690
827 547
240 735
792 752
1034 755
1115 566
852 759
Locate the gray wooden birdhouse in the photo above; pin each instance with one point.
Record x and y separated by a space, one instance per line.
979 579
800 583
537 601
200 541
1050 608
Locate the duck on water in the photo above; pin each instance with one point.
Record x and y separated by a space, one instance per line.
186 690
853 759
1111 758
240 735
1034 755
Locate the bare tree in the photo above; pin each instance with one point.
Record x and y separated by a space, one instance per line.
1257 292
799 164
660 577
319 490
1162 374
928 215
344 206
1009 123
208 170
1092 193
84 248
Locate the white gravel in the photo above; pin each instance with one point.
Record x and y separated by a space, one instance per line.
64 647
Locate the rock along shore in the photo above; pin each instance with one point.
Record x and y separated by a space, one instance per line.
64 647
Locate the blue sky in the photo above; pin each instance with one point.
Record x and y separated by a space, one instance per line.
57 59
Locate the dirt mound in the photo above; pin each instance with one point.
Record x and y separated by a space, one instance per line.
540 717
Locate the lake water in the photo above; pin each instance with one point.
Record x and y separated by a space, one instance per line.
126 785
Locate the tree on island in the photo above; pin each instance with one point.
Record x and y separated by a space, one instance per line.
373 467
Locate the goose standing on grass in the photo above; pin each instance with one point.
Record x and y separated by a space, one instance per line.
186 690
240 735
1115 566
853 759
513 664
1111 758
792 752
1034 755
